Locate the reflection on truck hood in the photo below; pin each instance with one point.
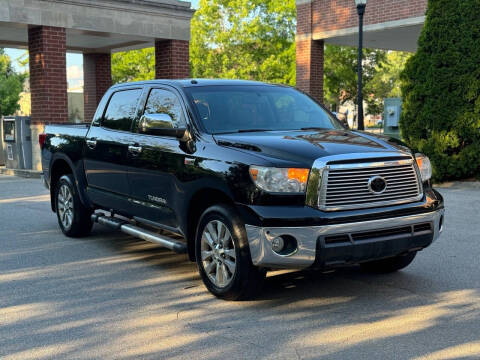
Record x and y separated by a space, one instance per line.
306 146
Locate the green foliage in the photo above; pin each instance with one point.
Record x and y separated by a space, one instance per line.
381 74
11 85
385 83
134 65
341 72
441 90
244 39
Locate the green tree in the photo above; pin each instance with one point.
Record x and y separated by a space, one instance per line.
11 85
134 65
244 39
441 90
386 81
340 71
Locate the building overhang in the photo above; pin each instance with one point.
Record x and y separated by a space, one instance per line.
399 35
97 26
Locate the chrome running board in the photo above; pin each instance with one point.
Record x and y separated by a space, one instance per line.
138 232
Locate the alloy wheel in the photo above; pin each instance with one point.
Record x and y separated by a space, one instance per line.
218 253
65 206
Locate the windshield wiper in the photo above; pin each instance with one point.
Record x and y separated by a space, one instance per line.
263 130
241 131
252 130
313 128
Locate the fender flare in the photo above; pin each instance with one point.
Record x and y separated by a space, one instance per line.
78 173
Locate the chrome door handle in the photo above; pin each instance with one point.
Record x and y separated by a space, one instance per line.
91 143
189 161
134 150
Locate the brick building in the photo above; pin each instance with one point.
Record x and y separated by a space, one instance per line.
50 28
388 24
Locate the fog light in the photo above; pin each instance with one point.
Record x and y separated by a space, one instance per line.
278 244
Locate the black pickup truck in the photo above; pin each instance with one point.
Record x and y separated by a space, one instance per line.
244 177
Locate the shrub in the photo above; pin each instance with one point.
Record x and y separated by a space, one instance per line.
441 90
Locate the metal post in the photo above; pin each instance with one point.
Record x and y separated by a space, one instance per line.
361 11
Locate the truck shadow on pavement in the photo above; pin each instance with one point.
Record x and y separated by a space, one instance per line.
112 296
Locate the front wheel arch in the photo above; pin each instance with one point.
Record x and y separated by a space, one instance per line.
199 202
248 279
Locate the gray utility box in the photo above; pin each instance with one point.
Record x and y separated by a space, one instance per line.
391 117
17 138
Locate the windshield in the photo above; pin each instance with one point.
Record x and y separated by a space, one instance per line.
242 108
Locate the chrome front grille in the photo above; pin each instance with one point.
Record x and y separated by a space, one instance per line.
349 186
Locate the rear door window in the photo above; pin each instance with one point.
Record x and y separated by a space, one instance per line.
121 108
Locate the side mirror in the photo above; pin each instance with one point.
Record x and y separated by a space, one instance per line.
341 118
160 124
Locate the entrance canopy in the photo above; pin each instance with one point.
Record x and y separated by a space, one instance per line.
97 26
401 35
388 24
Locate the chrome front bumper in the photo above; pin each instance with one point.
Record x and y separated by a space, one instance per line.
309 239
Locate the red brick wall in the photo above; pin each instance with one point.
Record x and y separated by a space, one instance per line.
304 19
48 74
330 15
97 76
172 59
310 67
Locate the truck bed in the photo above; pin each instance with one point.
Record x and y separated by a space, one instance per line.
76 130
66 139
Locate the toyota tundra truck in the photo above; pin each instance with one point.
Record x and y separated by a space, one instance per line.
244 177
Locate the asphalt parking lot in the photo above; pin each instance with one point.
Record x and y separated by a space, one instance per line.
110 296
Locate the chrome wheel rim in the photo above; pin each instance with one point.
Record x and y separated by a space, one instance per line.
218 254
65 206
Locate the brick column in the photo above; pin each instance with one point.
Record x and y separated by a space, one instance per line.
172 59
309 52
310 61
48 74
97 79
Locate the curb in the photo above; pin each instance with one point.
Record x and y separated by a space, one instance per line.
458 185
21 173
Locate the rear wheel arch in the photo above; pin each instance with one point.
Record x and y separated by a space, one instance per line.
61 165
59 168
73 217
200 201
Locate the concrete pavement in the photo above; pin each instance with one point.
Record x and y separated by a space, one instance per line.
110 296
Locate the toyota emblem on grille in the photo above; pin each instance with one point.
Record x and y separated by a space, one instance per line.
377 185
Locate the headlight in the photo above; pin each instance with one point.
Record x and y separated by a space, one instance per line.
280 180
424 166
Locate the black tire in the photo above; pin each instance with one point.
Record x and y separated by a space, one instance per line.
247 280
389 265
81 223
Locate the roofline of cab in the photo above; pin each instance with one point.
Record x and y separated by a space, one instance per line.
186 83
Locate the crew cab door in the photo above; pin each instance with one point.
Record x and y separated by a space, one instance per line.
107 146
155 169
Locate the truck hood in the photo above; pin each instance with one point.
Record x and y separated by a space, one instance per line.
304 147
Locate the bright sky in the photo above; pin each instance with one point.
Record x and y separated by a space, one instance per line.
74 61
